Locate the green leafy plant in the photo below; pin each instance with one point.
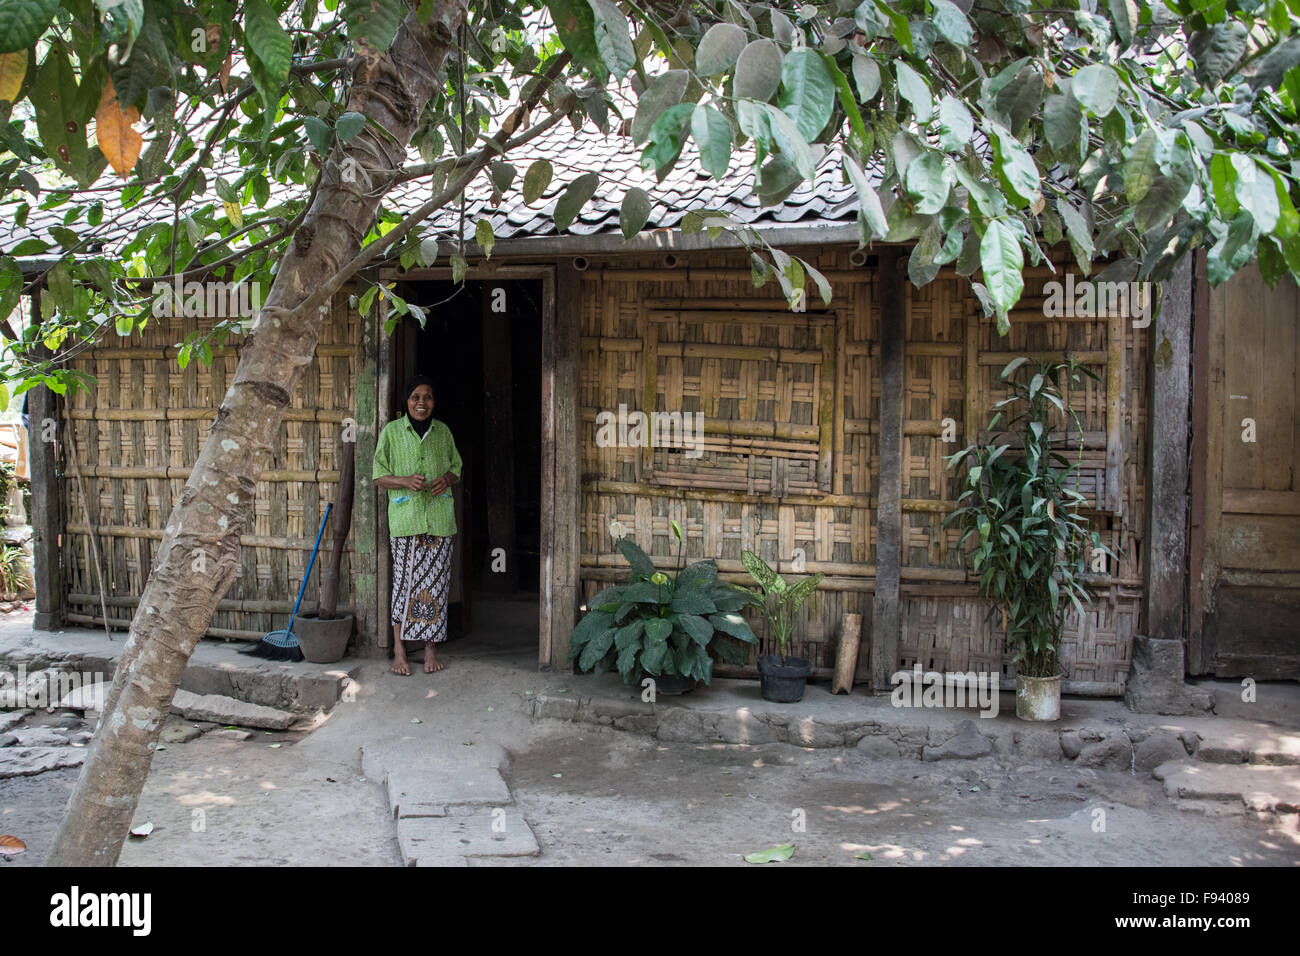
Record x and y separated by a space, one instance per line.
14 576
1022 509
779 600
663 624
7 471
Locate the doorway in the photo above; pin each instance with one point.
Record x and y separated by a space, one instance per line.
481 343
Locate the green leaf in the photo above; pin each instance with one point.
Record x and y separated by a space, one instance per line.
807 91
375 21
1061 119
23 21
898 24
758 71
484 236
1217 50
790 141
612 39
318 132
458 268
952 24
929 181
574 198
1015 168
635 211
664 91
576 24
1255 192
693 601
866 74
916 91
1096 87
720 49
1140 169
1164 198
349 125
667 137
1002 259
537 179
712 134
641 564
269 42
11 285
1076 228
59 118
773 855
873 212
956 124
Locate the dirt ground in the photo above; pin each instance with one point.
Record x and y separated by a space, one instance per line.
621 799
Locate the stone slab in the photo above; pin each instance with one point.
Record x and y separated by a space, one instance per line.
1256 786
29 761
226 710
427 791
451 840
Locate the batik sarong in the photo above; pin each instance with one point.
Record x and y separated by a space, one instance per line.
421 584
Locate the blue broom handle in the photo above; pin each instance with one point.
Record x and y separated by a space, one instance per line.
302 590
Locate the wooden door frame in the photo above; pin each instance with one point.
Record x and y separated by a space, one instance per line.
559 506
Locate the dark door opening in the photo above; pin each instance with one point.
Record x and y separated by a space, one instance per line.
481 344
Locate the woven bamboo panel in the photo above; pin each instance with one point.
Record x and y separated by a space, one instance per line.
762 493
739 356
148 414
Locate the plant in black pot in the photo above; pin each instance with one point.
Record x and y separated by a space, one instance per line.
667 626
1024 515
782 678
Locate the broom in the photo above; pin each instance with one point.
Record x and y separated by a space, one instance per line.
282 645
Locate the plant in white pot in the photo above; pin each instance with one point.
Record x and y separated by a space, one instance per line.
782 677
1022 508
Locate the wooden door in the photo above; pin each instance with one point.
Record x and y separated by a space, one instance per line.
1245 591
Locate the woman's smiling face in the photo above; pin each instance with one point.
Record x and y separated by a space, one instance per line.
420 403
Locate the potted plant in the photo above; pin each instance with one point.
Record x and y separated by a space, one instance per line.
782 678
1022 508
668 626
14 574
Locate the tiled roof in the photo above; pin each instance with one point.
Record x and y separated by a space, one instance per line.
613 156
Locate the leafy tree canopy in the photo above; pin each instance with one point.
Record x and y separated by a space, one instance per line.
984 130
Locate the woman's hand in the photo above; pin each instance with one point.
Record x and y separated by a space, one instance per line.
415 482
440 484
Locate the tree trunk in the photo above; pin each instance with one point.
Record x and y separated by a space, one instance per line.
199 552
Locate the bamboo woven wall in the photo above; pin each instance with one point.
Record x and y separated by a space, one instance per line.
783 468
139 432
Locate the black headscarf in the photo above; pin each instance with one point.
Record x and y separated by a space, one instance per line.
412 384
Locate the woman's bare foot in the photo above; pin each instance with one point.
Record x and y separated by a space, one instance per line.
431 663
399 660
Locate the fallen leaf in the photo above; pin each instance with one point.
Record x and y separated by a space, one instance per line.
416 720
528 692
974 789
330 780
469 743
773 854
557 776
11 845
116 134
490 709
273 746
864 855
143 830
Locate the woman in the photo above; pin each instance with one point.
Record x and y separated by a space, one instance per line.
417 463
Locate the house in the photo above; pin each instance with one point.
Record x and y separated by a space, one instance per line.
823 442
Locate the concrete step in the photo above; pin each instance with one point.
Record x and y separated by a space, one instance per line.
1271 745
460 840
1273 789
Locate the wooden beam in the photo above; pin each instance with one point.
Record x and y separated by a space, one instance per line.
47 501
566 555
886 619
1169 387
498 419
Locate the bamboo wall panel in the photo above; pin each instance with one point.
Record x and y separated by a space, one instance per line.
139 432
702 338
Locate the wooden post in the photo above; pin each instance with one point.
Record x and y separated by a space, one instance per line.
846 661
498 420
565 554
369 591
886 621
1198 519
47 501
1169 379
